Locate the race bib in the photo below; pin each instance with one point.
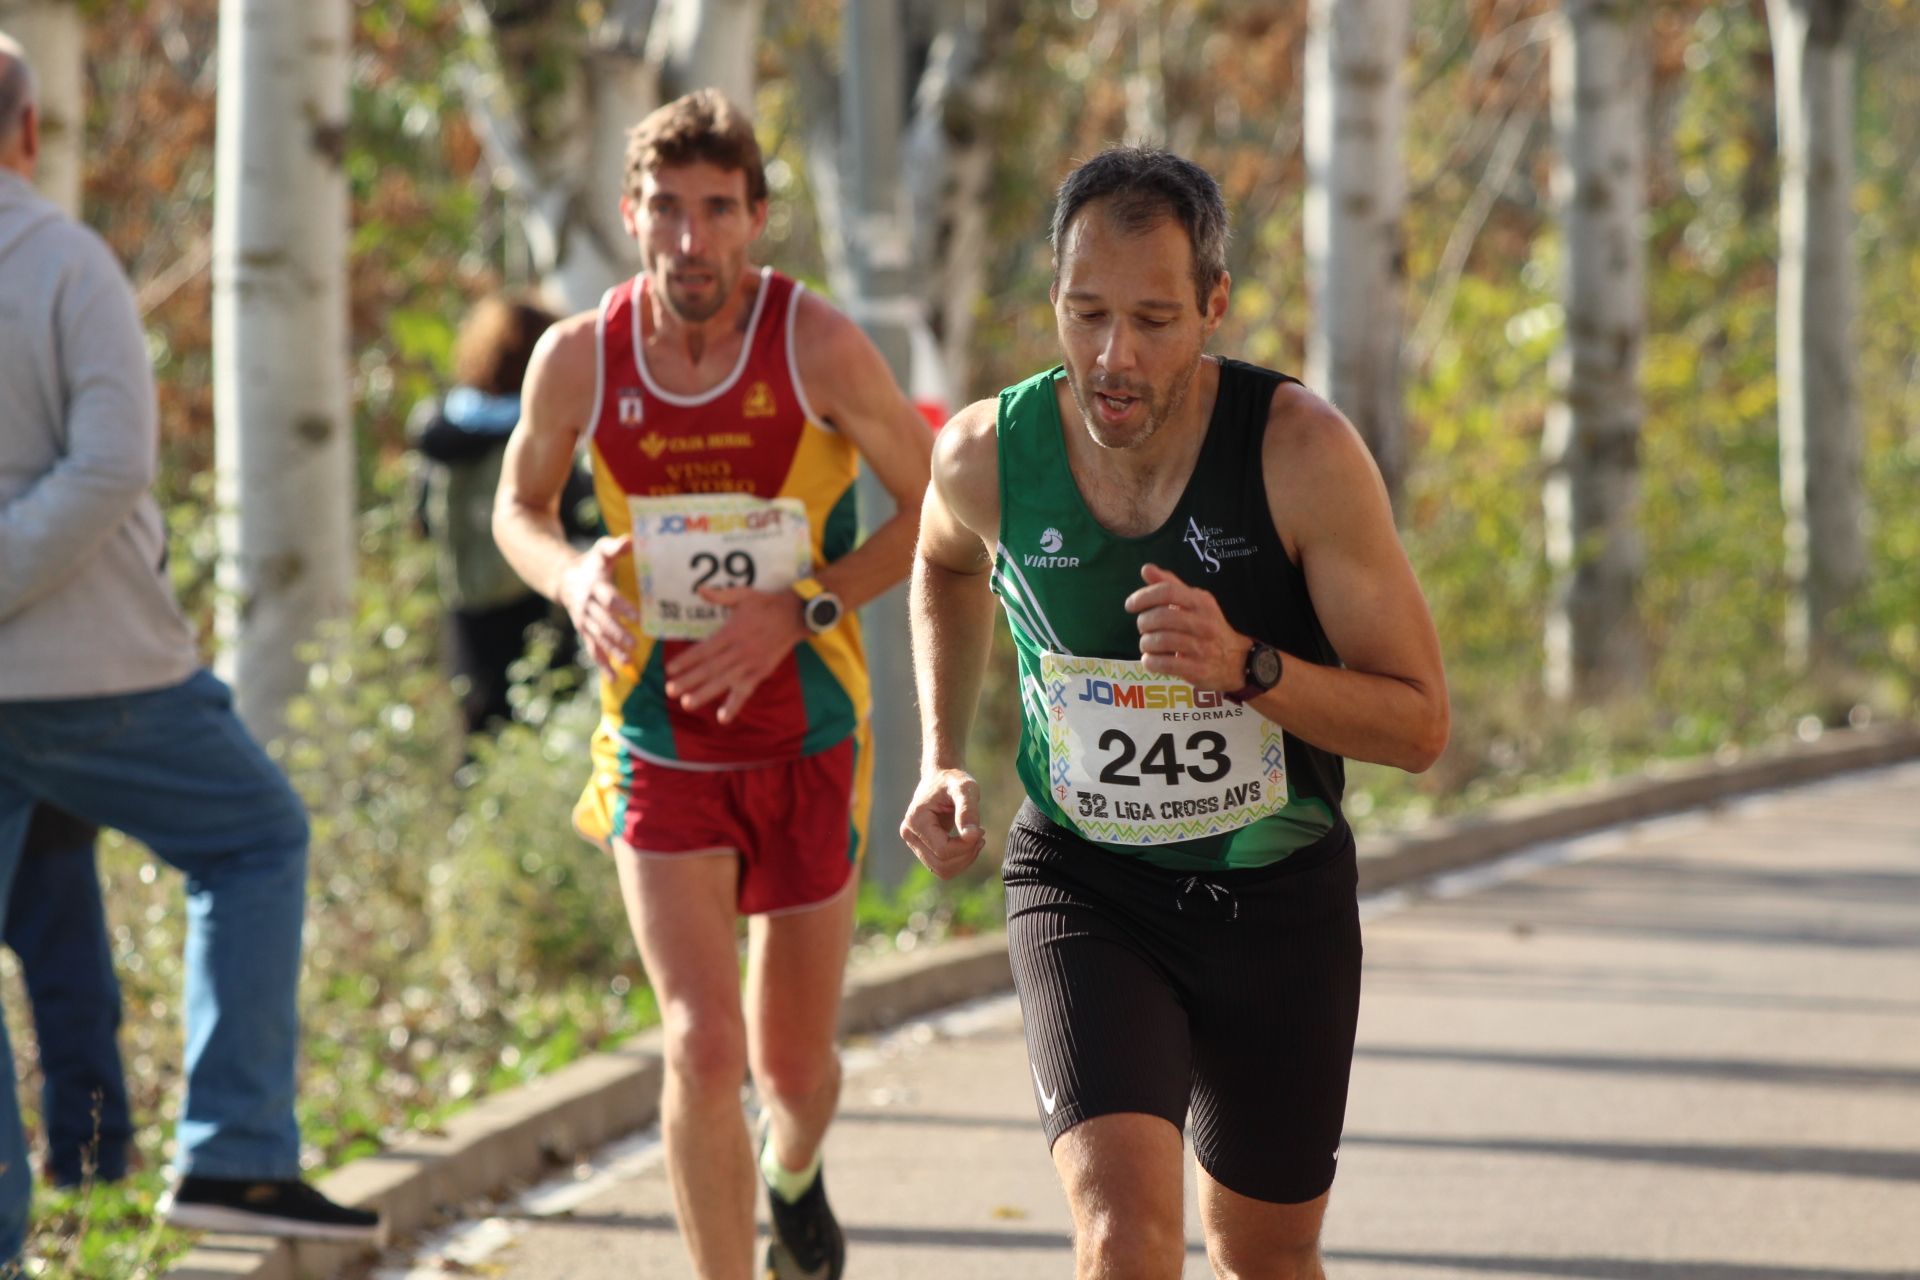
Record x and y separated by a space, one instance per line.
689 541
1143 758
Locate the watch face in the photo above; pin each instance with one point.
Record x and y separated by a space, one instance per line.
1263 666
822 612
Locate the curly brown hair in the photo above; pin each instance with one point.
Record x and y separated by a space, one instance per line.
703 125
496 341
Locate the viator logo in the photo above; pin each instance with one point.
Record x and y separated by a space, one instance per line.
1051 542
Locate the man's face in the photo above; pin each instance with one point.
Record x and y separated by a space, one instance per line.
1131 330
693 224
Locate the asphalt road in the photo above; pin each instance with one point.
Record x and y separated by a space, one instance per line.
1685 1051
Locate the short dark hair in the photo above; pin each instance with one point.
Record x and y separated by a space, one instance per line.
496 341
703 125
1141 186
16 86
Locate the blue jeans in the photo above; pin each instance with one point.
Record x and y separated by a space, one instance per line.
175 769
57 927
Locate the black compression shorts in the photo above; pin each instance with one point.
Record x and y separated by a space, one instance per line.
1229 994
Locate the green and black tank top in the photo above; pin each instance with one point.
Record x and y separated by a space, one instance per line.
1063 580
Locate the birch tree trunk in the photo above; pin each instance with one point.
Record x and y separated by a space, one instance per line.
284 444
946 172
1356 265
563 165
1820 439
702 43
1593 639
54 37
949 176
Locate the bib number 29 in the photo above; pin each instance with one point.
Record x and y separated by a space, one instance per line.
1204 760
737 565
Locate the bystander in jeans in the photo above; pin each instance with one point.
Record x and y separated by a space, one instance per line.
56 925
105 711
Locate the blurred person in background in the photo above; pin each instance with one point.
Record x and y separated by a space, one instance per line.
461 438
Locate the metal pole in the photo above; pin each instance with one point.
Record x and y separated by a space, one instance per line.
872 102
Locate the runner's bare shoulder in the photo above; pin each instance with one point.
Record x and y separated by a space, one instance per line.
830 351
966 468
1316 464
561 376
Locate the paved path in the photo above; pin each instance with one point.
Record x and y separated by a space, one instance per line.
1689 1051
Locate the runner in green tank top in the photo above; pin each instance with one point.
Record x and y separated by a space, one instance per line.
1211 608
1164 784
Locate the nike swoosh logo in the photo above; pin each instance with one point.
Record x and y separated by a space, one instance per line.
1047 1100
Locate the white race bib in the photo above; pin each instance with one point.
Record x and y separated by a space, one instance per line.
1137 757
688 541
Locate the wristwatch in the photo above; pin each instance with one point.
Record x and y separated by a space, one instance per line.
820 609
1262 672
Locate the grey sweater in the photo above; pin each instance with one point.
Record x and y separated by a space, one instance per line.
85 605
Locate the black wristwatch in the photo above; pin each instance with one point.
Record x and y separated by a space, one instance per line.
1262 672
820 609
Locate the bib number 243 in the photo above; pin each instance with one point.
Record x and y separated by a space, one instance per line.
1206 758
1139 757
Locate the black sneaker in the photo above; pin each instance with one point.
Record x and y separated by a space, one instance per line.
807 1243
287 1207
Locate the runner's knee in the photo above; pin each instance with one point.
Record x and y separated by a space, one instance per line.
1122 1242
707 1055
794 1075
1265 1263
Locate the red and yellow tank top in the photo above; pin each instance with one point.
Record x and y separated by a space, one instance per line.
753 434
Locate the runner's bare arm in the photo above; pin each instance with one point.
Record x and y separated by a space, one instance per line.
1387 703
556 403
952 610
849 384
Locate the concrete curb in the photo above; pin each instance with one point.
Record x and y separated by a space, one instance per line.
1502 828
521 1134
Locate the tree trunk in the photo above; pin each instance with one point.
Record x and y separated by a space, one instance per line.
702 43
565 164
947 172
284 444
1820 441
54 37
1355 192
949 176
1594 643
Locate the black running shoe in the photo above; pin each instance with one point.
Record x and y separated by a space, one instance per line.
264 1207
807 1243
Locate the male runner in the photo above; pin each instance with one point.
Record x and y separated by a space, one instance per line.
727 410
1211 608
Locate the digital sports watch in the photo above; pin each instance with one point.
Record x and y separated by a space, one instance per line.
820 609
1262 672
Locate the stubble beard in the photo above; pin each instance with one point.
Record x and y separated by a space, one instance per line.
1160 405
688 311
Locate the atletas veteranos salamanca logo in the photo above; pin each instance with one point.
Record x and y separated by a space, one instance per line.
1212 544
1051 543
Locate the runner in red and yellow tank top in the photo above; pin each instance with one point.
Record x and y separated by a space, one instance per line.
727 410
753 434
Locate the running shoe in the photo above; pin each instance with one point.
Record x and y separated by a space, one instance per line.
807 1243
